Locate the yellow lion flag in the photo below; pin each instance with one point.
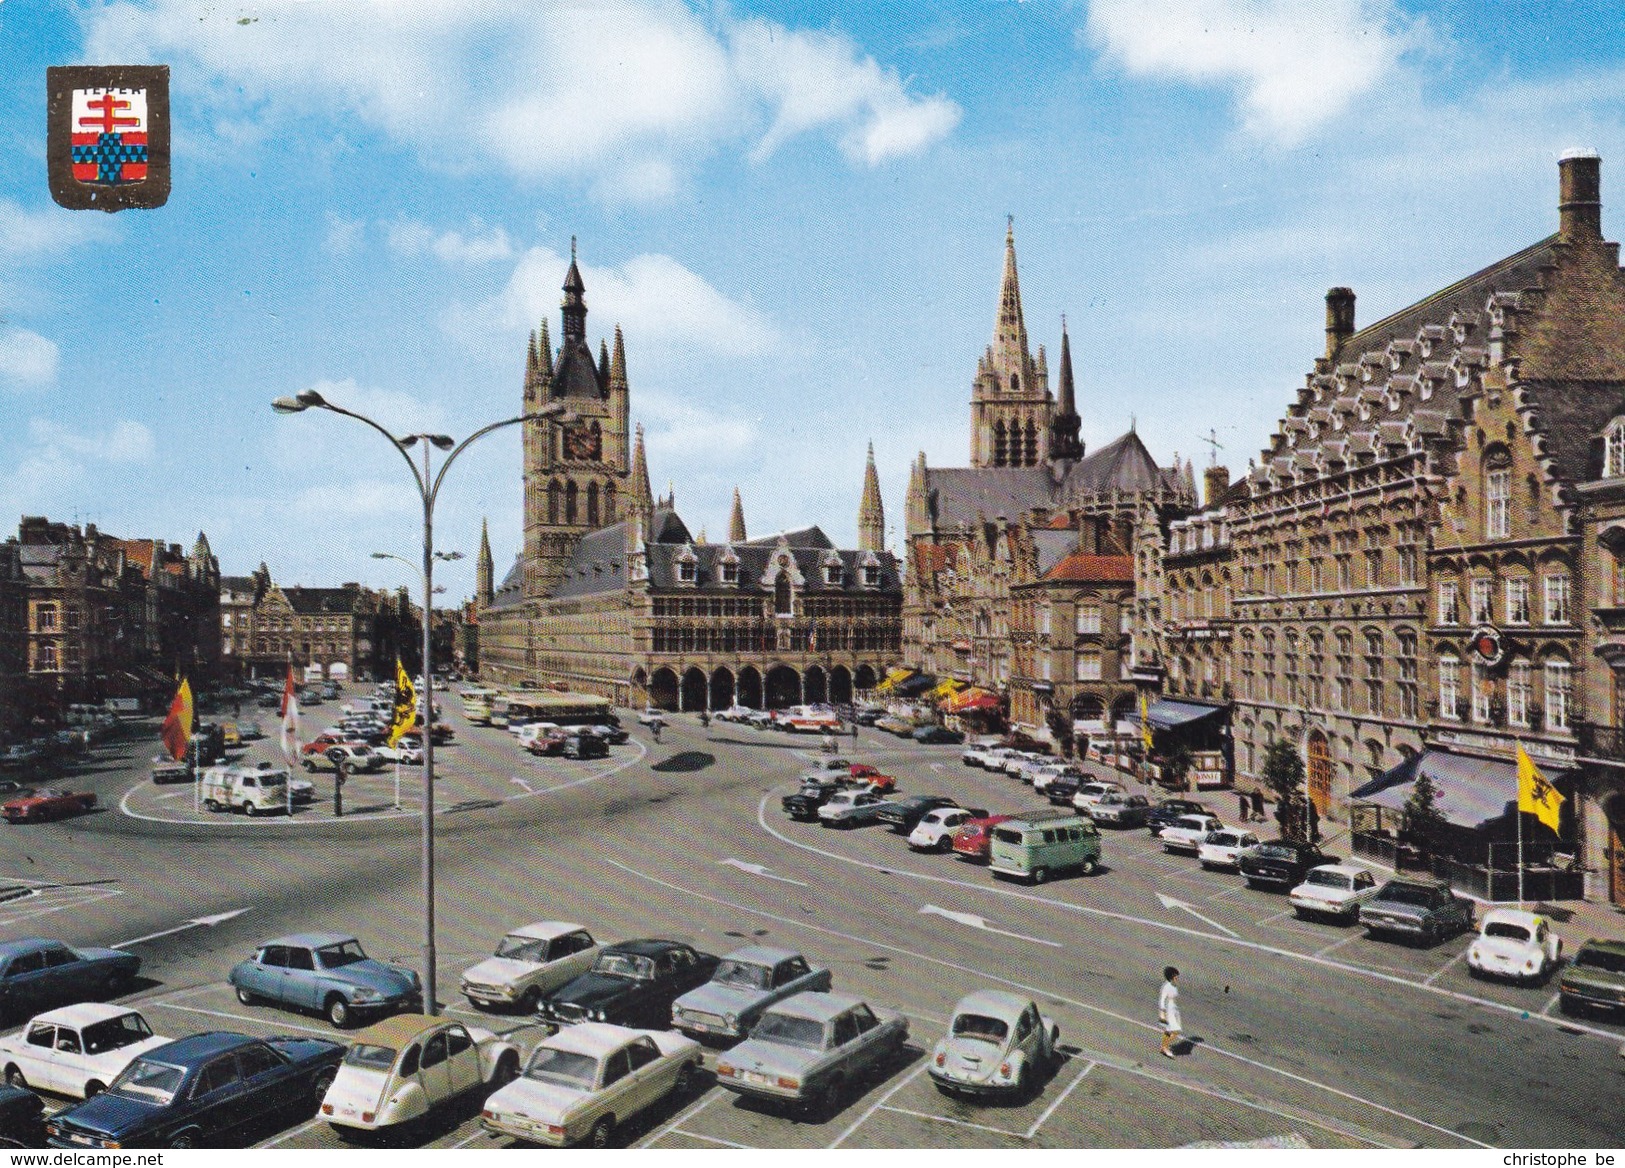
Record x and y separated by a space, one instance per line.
1145 721
1535 794
406 705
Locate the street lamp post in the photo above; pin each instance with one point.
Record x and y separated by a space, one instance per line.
428 484
428 710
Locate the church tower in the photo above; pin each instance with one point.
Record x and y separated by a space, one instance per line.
1010 399
871 514
484 570
576 466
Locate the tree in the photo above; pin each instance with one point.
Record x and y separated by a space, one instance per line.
1060 728
1176 765
1284 775
1424 823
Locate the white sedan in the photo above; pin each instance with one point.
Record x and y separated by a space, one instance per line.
1223 848
1333 890
1186 833
400 1069
528 963
1514 944
651 717
585 1080
76 1050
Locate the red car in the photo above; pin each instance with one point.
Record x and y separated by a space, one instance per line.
47 803
974 840
549 743
862 772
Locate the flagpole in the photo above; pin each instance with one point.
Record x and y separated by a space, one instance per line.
1519 813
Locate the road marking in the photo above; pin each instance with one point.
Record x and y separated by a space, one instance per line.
1229 892
977 922
758 870
288 1135
1053 995
956 1122
879 1103
81 900
1273 917
464 1142
677 1131
1434 976
1336 945
1170 902
1378 974
1547 1008
1050 1110
710 1097
522 783
196 922
239 1017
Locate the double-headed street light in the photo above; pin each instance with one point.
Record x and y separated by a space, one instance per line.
428 484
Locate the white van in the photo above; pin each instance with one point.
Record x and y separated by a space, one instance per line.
529 732
253 790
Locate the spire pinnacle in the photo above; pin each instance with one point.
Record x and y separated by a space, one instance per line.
736 521
871 512
617 363
642 503
1064 426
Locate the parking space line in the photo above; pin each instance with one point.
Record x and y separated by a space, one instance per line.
1547 1008
1273 917
1336 945
241 1018
463 1143
1050 1110
1434 976
710 1097
1228 892
878 1103
677 1131
288 1135
956 1122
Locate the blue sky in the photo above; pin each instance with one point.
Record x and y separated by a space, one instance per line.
796 212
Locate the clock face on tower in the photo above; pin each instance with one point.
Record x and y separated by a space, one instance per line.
582 443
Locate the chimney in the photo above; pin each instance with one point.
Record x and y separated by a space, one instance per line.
1339 319
1215 482
1579 208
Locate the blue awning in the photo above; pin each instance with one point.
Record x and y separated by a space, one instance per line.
1473 792
1166 714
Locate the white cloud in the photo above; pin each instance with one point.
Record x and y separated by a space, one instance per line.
674 430
1295 65
25 233
125 443
659 302
625 97
27 359
57 469
481 246
344 236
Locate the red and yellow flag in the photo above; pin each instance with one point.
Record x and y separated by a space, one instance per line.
177 730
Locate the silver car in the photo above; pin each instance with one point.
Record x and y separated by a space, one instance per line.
746 983
807 1050
998 1044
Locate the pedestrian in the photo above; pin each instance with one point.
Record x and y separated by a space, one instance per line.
1258 804
1168 1010
1246 806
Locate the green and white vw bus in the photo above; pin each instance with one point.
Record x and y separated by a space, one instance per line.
1040 845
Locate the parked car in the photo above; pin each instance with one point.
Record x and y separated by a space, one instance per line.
1168 810
325 972
633 983
22 1118
826 770
809 1048
613 735
1086 796
849 808
935 830
1333 890
998 1044
584 1082
549 744
1594 978
529 962
734 713
938 736
804 803
896 726
188 1093
863 775
973 840
746 982
902 814
354 757
1042 844
399 1070
1515 944
583 745
1281 864
403 753
76 1050
36 972
1120 809
1424 910
44 803
1224 848
1049 772
1186 833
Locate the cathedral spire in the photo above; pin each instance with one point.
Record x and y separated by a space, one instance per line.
574 303
736 521
871 513
484 569
642 503
1063 442
617 363
1010 350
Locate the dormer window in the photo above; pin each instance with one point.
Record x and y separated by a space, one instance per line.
729 571
871 576
1613 450
833 575
686 572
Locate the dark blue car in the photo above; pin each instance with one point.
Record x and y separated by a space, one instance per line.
36 973
188 1093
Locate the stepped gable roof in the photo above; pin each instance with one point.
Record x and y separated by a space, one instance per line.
1123 465
801 537
754 561
1082 568
935 557
1053 547
510 593
961 496
1571 416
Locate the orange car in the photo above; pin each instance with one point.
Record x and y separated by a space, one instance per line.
47 803
862 772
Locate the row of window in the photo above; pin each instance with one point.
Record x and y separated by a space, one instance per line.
766 639
564 504
1087 620
1486 697
46 616
1556 601
1086 667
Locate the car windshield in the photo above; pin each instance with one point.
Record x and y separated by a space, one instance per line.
1506 929
1329 879
743 974
370 1057
148 1082
1279 852
522 948
980 1026
789 1030
114 1033
1601 959
625 965
567 1068
342 954
1224 839
1408 894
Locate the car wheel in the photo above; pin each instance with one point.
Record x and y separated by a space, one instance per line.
308 765
1040 875
1023 1087
338 1011
685 1079
1089 867
319 1086
211 804
1430 936
1565 1002
15 1078
94 1087
244 996
945 844
248 810
184 1139
602 1133
507 1070
827 1102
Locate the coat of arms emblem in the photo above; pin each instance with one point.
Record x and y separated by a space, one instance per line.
108 135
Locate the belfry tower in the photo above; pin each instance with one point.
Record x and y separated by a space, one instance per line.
1010 400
